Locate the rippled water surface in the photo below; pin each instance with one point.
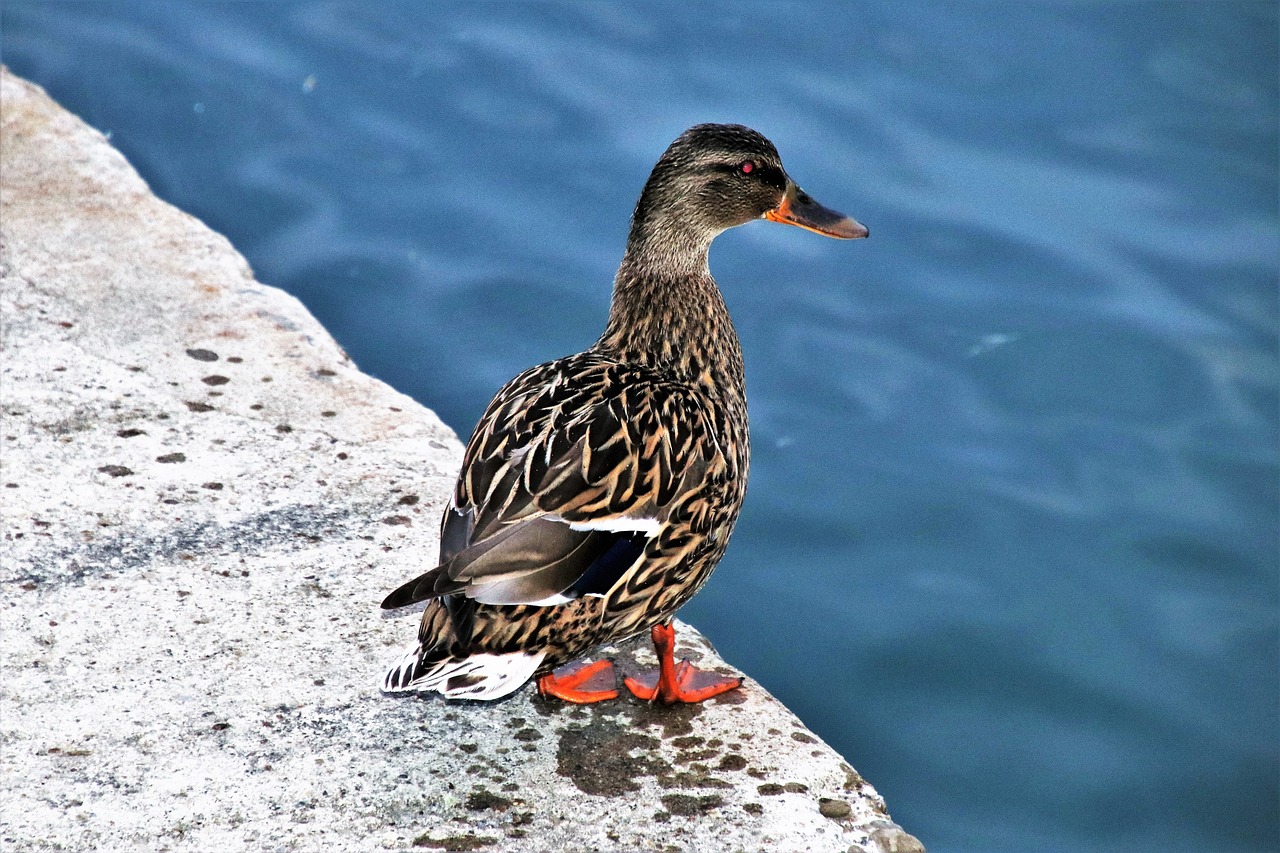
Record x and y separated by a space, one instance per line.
1011 538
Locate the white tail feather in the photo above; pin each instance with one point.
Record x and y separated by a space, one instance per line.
479 677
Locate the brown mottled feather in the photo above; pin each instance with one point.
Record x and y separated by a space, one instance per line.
647 427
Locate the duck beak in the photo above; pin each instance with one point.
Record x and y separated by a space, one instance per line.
798 208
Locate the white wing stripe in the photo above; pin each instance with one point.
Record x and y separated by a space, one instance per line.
619 524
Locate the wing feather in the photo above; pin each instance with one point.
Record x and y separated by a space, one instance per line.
564 483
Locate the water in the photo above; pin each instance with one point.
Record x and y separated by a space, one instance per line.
1011 539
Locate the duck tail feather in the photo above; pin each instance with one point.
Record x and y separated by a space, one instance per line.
481 677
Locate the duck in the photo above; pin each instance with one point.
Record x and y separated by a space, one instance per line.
598 491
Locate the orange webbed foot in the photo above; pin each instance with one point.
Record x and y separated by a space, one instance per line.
581 685
682 682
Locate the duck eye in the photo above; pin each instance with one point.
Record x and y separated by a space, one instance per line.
746 167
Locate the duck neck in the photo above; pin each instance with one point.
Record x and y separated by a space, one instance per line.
668 313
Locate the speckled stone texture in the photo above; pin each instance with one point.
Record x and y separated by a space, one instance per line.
203 503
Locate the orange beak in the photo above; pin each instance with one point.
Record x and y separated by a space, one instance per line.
798 208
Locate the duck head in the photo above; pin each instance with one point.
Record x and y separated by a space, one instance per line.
716 176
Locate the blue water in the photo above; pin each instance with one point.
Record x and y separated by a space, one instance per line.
1011 543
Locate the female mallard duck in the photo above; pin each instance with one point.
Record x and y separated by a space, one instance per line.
599 490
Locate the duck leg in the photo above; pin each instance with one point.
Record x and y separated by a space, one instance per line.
674 682
581 686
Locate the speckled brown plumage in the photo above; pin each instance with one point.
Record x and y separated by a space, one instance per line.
599 490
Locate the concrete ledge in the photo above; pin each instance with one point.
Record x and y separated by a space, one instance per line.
203 502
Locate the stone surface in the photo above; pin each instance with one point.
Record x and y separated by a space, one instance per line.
203 502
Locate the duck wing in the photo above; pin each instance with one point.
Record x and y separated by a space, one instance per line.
570 474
